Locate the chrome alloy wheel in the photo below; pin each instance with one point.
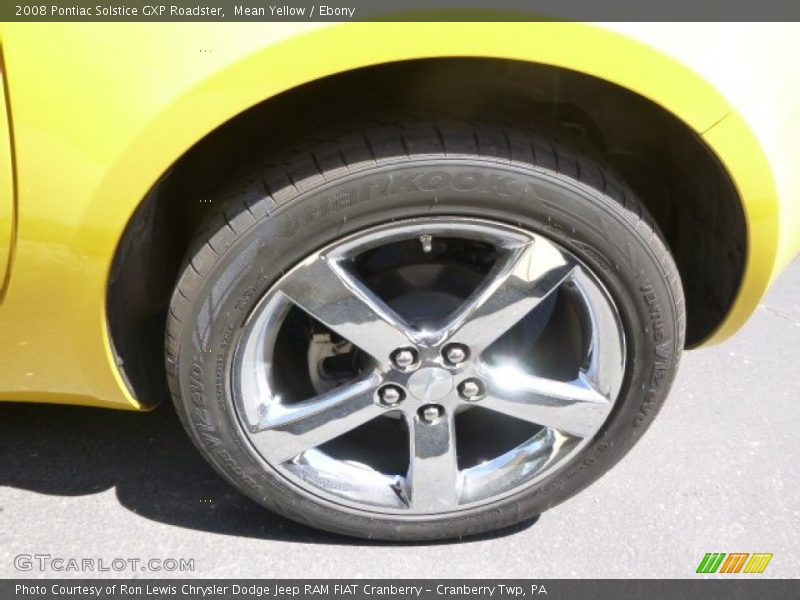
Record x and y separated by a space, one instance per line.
428 366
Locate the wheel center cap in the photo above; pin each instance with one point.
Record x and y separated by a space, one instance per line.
430 384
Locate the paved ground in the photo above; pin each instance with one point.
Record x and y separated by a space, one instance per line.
718 471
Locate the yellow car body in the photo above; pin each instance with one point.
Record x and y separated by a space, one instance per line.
97 113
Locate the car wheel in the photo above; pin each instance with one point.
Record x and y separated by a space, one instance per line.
423 331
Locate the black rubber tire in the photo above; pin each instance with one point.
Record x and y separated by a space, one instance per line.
273 217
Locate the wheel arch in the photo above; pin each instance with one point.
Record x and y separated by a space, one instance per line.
194 122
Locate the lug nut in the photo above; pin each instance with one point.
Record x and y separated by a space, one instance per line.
455 353
470 389
404 358
391 395
430 413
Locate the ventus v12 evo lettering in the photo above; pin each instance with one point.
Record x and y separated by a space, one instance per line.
423 290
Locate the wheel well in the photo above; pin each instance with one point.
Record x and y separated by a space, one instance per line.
676 175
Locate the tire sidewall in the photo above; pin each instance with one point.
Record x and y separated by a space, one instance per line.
614 243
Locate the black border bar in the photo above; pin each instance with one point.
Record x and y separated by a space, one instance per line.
718 588
396 10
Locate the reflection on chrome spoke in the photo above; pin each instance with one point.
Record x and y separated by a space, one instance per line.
574 407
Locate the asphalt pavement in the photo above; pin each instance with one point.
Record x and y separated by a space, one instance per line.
717 472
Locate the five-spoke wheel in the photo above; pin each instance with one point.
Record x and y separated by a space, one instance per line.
412 359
